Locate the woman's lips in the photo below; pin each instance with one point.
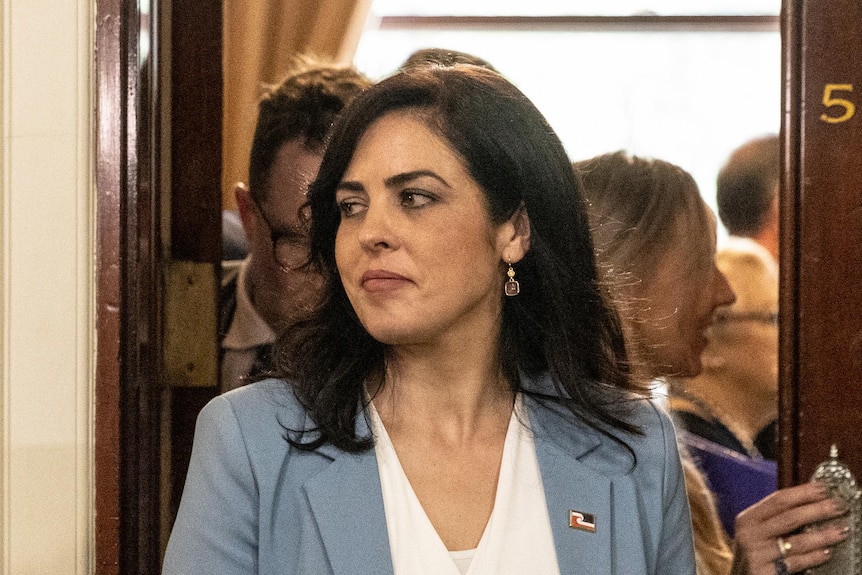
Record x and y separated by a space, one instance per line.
382 280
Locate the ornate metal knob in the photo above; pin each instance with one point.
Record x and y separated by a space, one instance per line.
847 555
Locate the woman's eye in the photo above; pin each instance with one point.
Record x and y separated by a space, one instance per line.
415 199
349 208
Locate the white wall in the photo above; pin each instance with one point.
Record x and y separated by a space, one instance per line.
46 287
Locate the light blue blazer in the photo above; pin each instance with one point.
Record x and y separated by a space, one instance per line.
254 505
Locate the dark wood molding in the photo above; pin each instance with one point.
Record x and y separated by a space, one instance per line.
195 198
788 356
136 428
111 129
821 223
196 130
128 305
142 380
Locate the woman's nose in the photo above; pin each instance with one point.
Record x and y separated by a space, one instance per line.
376 231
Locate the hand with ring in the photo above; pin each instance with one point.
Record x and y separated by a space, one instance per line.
784 548
768 537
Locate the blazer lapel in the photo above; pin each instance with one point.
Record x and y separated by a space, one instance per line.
583 542
347 503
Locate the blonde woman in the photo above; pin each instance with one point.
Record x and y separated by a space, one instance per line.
655 239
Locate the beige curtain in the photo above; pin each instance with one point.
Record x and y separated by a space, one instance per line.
260 37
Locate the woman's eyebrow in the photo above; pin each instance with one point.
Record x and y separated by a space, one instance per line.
349 186
400 179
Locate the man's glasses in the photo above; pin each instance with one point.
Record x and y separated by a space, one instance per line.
289 244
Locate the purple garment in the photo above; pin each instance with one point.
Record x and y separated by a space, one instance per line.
737 480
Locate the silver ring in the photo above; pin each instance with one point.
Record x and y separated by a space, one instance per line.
784 546
780 566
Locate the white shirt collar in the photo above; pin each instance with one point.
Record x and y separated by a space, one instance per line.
247 329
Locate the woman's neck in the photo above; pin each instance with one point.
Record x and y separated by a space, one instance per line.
454 394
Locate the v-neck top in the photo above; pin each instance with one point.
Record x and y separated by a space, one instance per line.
517 538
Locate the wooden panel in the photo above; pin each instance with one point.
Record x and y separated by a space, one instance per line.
110 133
191 74
129 384
196 130
821 333
193 67
191 307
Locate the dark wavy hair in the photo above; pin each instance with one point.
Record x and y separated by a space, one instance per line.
560 324
443 57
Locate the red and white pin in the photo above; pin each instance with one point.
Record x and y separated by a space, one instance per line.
582 521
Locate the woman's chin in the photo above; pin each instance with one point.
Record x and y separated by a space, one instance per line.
394 336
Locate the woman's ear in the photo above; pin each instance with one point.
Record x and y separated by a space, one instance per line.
515 236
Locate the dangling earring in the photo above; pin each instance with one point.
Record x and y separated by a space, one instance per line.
512 287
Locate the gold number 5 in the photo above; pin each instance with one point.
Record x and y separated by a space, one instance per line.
829 101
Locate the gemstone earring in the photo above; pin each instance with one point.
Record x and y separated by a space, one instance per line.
512 287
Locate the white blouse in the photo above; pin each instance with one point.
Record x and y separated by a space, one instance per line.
517 538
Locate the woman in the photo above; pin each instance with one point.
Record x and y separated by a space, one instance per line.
656 243
727 405
741 359
460 401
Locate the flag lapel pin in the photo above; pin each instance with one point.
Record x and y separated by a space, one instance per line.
582 521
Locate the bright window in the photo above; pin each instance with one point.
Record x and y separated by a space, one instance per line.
575 7
684 91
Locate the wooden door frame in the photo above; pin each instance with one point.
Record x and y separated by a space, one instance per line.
820 353
127 300
788 399
135 149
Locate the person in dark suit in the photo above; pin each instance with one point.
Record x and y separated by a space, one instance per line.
271 286
460 400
